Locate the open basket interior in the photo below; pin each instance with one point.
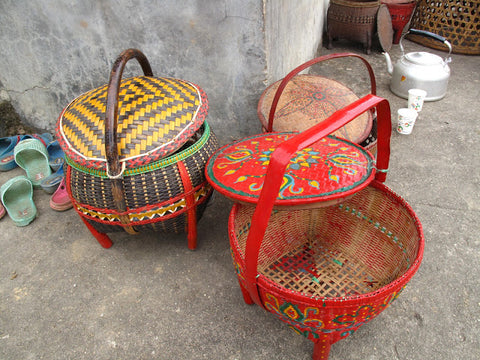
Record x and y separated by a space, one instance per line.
353 248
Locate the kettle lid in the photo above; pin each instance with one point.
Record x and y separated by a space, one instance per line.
424 58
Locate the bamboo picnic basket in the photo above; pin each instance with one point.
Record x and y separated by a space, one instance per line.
325 268
135 153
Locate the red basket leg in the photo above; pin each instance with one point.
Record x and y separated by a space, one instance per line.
246 296
321 348
190 204
102 238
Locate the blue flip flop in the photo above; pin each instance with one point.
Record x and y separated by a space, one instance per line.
31 155
50 183
55 155
17 198
8 144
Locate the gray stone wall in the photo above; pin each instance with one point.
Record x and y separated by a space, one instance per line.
293 32
54 50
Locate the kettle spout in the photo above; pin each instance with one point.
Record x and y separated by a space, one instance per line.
389 63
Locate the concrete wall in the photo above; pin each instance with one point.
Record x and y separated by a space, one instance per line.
292 30
54 50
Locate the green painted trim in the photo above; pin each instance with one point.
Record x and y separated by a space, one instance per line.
164 162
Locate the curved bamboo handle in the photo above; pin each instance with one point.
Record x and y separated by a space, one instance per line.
279 162
291 74
114 169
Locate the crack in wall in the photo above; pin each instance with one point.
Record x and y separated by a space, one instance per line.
22 92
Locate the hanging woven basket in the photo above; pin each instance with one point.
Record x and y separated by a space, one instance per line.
135 152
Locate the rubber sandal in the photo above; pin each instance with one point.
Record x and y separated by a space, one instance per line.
55 155
31 155
17 198
7 144
51 183
7 158
60 201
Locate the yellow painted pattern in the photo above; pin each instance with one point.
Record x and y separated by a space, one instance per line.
152 111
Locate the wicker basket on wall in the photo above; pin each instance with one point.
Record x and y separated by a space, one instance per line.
457 21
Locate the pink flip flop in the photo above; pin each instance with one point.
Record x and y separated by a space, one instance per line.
2 210
60 201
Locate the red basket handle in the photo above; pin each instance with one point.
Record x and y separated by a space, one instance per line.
114 168
306 65
279 162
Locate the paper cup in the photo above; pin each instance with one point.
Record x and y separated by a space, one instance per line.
406 120
416 97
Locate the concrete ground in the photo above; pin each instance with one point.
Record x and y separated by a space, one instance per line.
62 296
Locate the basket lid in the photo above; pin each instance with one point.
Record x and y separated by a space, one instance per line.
384 28
156 116
308 100
328 170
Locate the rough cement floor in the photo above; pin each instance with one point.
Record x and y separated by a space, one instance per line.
62 296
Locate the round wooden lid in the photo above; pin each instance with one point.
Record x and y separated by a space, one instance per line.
384 28
308 100
330 169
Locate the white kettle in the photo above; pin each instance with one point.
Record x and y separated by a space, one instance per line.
420 70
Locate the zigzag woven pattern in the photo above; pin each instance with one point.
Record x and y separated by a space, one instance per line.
155 118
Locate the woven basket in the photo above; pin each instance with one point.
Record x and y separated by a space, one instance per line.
328 270
299 101
352 20
401 14
135 154
457 21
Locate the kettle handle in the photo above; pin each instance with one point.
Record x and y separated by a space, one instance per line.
430 35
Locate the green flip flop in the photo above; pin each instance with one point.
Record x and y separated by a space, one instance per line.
17 198
32 156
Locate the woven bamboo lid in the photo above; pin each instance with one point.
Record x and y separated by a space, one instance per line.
308 100
156 116
331 168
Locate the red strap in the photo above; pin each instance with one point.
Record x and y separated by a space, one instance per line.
190 204
280 159
306 65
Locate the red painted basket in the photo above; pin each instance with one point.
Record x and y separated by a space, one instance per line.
135 153
328 270
401 14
